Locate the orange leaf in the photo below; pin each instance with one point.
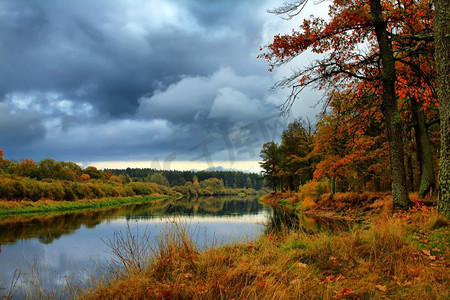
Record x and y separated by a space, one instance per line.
381 287
346 291
426 252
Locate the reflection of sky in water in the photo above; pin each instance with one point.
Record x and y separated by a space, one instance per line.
83 252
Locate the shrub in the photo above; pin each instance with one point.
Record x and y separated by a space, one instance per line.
69 195
312 189
140 188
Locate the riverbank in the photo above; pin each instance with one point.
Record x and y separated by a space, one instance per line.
24 208
389 255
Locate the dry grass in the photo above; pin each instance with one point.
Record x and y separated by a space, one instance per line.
385 259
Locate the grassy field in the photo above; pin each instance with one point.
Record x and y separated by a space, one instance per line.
392 255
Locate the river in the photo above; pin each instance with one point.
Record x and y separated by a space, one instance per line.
59 252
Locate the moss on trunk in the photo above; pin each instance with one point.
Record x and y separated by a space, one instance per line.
442 55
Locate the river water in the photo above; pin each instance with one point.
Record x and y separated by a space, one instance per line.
50 253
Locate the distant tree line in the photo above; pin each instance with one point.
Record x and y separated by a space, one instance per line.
231 179
59 180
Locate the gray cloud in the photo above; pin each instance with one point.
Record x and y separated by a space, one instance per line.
19 128
128 80
192 97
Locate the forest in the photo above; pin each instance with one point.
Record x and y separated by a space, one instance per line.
384 122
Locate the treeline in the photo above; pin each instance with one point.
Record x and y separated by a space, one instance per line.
230 179
210 187
339 152
59 180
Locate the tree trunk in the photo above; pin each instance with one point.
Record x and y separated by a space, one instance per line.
377 184
390 111
442 56
333 185
424 151
410 175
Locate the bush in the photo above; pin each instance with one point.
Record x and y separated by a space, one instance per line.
69 195
140 188
312 189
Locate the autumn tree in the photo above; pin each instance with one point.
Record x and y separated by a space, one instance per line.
355 25
93 172
2 161
351 144
442 41
214 183
414 49
26 167
195 180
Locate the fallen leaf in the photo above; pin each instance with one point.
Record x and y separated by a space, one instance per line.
302 265
381 287
426 252
295 281
339 277
346 291
261 284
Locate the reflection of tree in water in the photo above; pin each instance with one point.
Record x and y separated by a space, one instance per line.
49 228
215 206
282 220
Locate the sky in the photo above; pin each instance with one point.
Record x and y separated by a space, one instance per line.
171 84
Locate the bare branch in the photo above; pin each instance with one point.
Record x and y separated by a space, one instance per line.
289 9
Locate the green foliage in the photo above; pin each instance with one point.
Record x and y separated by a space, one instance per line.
291 164
159 179
93 172
230 179
214 183
313 189
271 162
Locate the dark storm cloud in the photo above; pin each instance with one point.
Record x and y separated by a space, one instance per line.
19 127
122 50
89 80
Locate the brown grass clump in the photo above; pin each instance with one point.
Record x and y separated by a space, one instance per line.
386 259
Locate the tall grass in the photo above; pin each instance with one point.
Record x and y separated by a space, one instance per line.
405 256
371 261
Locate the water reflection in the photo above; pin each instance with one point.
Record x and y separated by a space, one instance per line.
283 219
71 245
48 228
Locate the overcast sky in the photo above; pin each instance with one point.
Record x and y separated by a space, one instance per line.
142 83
